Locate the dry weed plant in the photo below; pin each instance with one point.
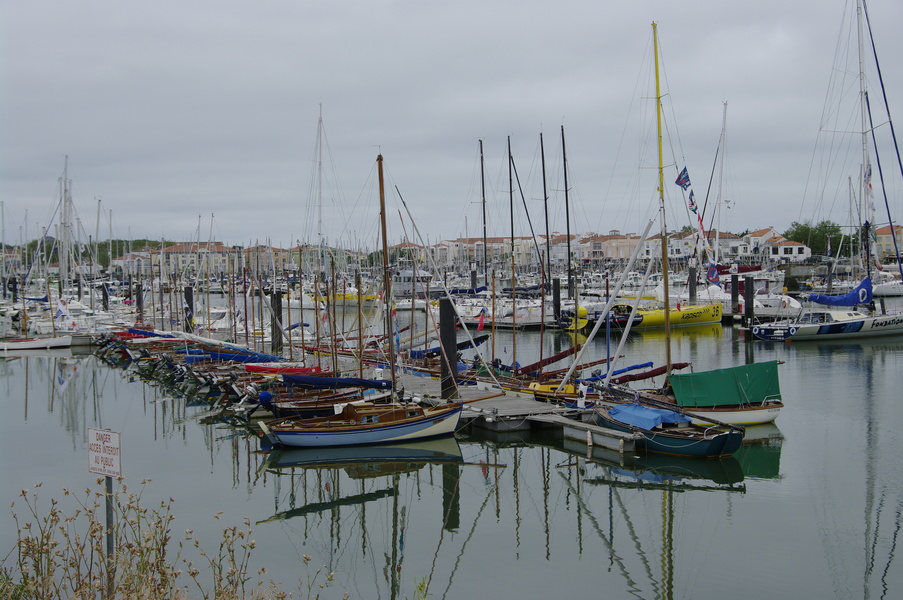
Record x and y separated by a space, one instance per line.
65 556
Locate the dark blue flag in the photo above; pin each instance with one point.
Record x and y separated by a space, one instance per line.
683 180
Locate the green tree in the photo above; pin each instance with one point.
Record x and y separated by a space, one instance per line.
817 237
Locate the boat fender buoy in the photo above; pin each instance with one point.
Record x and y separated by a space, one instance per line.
792 330
784 303
756 330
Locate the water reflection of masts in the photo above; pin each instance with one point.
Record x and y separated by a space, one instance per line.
668 543
26 390
330 498
473 528
632 585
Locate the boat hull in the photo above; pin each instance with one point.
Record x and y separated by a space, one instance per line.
721 444
864 327
60 341
697 314
746 416
432 423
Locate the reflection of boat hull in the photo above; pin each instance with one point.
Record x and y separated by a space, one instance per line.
661 468
436 450
361 424
67 352
708 330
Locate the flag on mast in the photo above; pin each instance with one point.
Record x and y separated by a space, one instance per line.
683 180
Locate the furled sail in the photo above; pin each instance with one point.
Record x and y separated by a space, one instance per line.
862 294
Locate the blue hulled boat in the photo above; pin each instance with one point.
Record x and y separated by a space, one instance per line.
671 431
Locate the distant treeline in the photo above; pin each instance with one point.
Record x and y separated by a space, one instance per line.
47 250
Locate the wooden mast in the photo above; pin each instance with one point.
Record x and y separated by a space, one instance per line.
387 280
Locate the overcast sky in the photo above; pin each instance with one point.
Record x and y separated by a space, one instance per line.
199 120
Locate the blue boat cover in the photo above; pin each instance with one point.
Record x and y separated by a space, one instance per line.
149 333
618 372
645 417
467 291
320 383
191 359
254 357
259 356
437 350
861 294
434 351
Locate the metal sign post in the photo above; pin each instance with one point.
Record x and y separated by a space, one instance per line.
104 459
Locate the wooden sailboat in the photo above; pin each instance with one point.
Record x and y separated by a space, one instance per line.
369 422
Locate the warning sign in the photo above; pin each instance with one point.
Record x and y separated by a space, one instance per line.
103 453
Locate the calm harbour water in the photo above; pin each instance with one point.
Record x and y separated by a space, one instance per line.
811 508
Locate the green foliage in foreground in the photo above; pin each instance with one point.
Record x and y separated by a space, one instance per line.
64 556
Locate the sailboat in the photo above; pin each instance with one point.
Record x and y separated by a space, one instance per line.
850 315
659 415
59 328
645 318
363 423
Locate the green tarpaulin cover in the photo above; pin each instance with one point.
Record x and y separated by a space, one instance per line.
746 384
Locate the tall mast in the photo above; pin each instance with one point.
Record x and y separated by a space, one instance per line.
572 289
513 268
320 197
483 192
721 183
387 281
546 269
3 247
63 241
866 208
661 198
545 205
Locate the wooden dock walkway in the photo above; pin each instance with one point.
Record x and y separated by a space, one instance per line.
518 413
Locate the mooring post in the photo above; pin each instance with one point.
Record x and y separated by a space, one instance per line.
449 349
276 323
735 295
749 298
189 309
691 285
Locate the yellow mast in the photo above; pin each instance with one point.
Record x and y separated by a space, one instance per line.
661 197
